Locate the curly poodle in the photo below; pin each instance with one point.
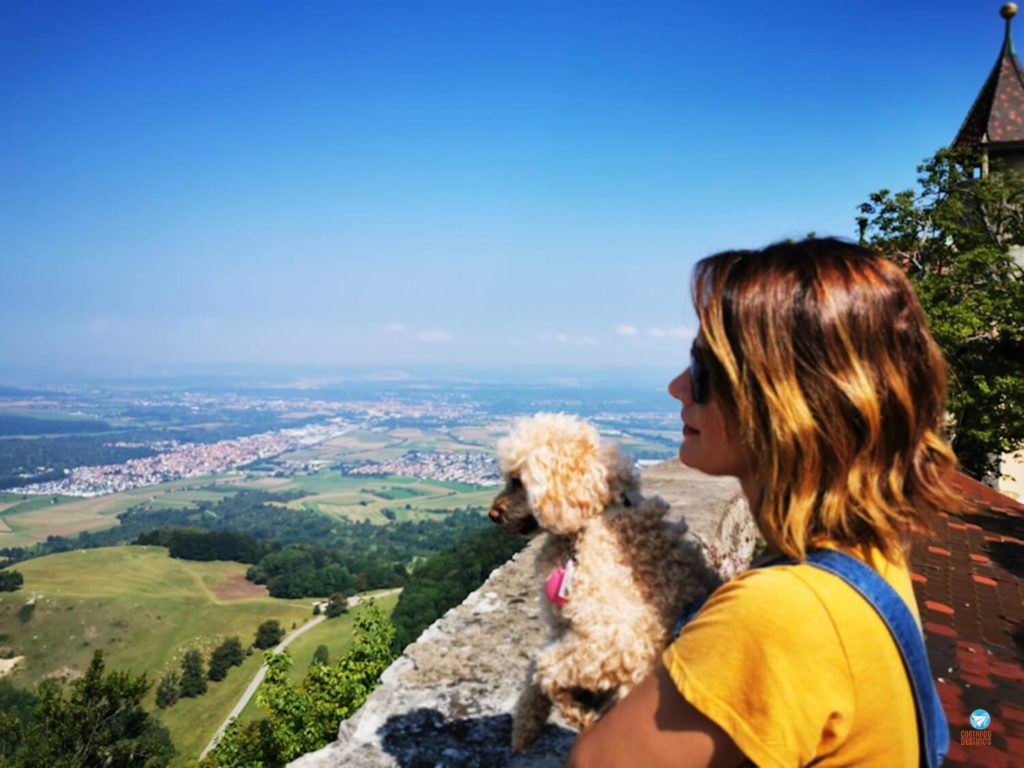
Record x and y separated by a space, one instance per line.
616 573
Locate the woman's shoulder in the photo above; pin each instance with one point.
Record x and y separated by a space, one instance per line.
782 602
767 591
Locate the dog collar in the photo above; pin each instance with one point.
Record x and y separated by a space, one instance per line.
559 583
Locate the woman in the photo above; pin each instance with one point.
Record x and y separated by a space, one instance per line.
814 381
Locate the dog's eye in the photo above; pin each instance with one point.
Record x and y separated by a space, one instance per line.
515 484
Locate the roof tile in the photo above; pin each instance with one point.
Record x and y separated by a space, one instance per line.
968 580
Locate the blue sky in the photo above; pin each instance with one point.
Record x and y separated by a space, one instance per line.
474 183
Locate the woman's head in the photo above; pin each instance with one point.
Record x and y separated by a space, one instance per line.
819 357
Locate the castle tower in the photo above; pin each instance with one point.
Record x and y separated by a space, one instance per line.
996 120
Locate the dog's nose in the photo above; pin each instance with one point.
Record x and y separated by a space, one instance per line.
495 515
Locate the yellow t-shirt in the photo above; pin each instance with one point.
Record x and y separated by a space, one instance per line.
798 668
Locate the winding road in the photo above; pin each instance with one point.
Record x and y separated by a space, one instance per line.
251 690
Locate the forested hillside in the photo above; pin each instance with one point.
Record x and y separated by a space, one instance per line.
446 579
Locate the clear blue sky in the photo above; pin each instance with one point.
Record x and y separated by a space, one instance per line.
432 182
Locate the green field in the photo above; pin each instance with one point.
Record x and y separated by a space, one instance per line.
365 498
26 521
143 609
22 504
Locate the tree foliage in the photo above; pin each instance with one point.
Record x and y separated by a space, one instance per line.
193 675
226 655
303 718
10 580
168 690
954 236
99 722
200 544
269 634
337 605
444 580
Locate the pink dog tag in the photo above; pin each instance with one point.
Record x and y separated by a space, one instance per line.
559 583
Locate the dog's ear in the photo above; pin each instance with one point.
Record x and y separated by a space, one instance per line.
565 479
619 469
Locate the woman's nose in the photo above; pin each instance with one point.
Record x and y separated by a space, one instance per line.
681 387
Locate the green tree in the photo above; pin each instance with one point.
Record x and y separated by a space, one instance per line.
954 236
193 675
99 722
10 580
337 605
269 634
321 655
304 718
226 655
168 690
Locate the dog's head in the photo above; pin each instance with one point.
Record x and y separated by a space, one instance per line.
558 474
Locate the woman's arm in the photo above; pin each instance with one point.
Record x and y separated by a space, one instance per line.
654 726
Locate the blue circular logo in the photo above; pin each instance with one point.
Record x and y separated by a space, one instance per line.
980 719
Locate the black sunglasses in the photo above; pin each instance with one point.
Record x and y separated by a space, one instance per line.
700 377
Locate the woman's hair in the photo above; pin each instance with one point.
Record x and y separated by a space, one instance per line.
824 365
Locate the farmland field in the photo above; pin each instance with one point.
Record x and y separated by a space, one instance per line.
355 498
31 520
365 498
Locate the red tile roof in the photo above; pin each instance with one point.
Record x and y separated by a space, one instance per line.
997 115
968 585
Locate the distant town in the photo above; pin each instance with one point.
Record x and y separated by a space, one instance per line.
84 442
450 466
182 460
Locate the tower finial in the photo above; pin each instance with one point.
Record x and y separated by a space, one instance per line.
1008 11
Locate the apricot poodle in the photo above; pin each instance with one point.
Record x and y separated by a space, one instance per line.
616 574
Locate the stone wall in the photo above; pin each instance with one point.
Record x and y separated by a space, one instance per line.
446 702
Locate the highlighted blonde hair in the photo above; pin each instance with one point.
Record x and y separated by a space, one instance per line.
824 364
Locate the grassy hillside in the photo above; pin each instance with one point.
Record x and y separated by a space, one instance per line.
143 609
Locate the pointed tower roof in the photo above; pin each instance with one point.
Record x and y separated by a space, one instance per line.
997 116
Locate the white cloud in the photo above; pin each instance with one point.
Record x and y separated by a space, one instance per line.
561 338
625 330
434 337
396 327
678 332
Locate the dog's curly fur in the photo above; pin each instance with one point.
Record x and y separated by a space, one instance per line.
634 572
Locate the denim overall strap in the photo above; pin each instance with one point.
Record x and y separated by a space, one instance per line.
933 730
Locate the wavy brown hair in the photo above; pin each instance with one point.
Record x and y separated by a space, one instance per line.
824 364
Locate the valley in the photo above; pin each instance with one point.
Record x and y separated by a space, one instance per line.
346 489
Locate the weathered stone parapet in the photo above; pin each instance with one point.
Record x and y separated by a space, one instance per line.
447 701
